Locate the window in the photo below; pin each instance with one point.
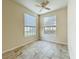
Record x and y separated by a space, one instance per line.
49 24
29 25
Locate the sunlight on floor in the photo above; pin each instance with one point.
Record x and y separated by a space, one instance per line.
49 37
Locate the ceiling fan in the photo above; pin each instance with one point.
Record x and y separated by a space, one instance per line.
43 5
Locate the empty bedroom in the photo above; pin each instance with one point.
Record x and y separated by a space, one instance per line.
35 29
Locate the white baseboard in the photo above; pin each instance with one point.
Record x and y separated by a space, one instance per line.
28 42
56 42
61 42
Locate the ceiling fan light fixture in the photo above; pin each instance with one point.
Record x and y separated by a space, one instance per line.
43 5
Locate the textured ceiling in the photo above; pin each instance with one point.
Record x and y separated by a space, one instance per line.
53 4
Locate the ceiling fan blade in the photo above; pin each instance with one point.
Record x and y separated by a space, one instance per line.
38 5
47 8
47 2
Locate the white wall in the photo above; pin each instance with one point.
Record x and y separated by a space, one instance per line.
71 28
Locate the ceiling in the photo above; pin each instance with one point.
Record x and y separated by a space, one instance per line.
53 5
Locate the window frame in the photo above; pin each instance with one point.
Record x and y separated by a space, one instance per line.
29 26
